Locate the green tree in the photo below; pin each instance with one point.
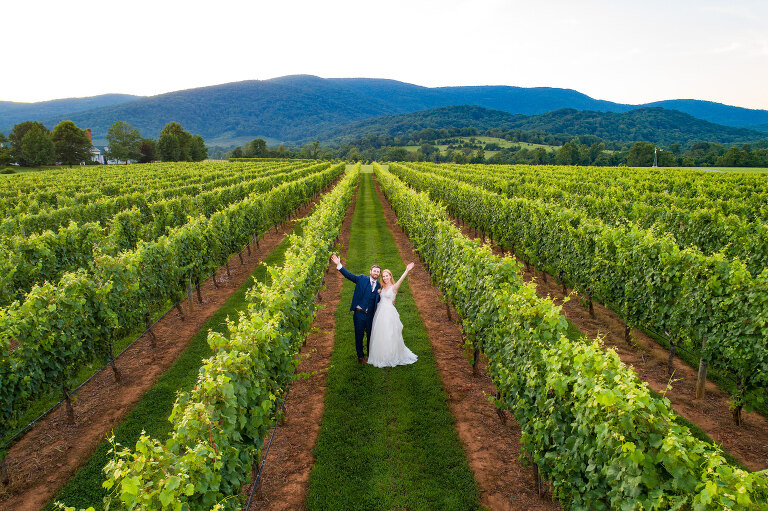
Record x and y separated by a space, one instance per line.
5 152
459 157
17 135
72 143
147 150
396 154
428 149
734 157
282 152
174 143
539 156
197 149
568 154
311 151
256 148
169 147
315 151
37 148
640 155
595 152
6 158
353 154
666 159
124 142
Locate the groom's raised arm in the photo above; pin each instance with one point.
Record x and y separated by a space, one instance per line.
337 261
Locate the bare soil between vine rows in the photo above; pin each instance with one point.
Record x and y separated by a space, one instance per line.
48 455
747 443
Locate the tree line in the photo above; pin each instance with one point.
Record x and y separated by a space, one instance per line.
257 148
32 144
583 150
562 150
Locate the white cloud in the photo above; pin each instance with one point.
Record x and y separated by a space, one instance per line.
734 46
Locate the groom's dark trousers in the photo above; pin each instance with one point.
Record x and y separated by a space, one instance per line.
363 307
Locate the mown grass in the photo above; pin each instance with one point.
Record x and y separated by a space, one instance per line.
387 438
152 411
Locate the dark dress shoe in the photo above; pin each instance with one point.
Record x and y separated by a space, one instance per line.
362 360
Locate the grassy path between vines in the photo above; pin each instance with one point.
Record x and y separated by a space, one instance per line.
151 413
387 439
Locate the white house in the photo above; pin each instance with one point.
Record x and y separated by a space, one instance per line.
97 155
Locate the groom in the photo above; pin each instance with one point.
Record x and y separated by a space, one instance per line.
363 305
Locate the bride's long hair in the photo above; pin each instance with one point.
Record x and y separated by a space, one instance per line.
391 278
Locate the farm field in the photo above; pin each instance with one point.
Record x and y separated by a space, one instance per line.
453 262
151 413
483 141
140 245
127 365
663 257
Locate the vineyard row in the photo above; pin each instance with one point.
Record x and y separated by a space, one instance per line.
704 225
708 304
590 426
61 326
29 260
219 427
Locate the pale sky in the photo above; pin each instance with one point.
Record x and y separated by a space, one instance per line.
626 51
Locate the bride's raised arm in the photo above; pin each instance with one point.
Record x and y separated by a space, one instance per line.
402 277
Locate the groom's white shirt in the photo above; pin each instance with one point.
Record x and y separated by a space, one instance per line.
373 282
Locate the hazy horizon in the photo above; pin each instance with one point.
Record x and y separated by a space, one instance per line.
352 77
622 52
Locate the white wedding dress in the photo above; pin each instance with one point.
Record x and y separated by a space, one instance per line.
387 346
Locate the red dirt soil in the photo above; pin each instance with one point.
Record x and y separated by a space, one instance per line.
747 443
47 456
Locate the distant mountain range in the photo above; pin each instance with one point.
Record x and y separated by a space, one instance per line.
300 107
659 125
14 113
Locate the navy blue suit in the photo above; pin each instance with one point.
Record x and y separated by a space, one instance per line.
365 297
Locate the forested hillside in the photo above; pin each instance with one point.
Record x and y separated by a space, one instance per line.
657 125
301 107
13 113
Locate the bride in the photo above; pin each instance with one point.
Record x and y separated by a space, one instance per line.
387 346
